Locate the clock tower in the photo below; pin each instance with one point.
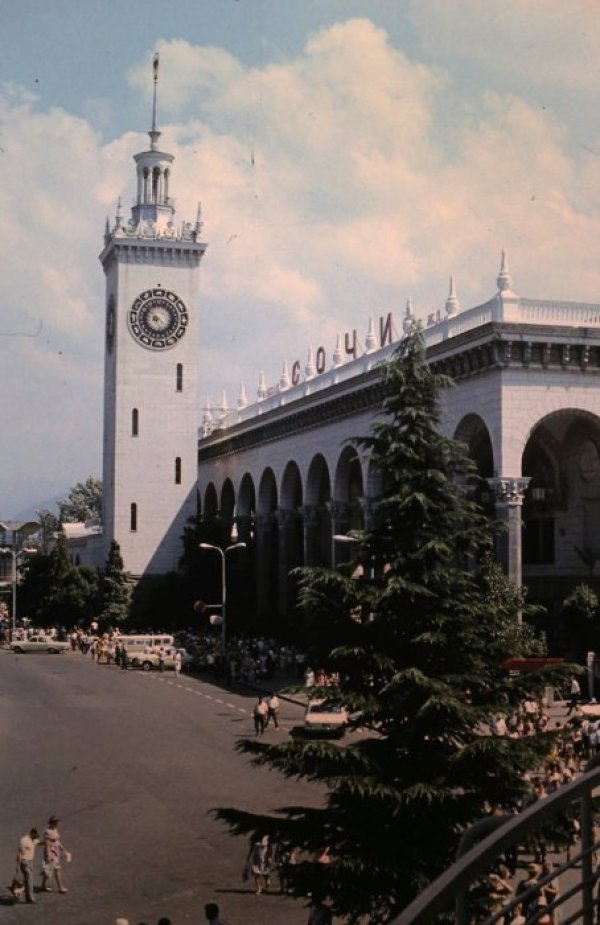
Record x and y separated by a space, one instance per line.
152 266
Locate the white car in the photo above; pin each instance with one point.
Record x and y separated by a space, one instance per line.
149 661
325 719
39 643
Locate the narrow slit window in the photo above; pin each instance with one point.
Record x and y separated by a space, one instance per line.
133 517
179 378
135 422
178 470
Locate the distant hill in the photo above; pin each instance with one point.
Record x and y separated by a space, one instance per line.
50 504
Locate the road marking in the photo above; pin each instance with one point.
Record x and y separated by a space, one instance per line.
217 700
241 710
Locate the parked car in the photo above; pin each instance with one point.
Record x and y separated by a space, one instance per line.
149 661
325 719
39 643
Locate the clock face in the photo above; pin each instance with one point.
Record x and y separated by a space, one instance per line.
158 319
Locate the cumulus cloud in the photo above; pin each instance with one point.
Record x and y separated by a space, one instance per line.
333 185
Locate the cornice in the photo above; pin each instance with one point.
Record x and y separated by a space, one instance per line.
284 423
153 251
493 346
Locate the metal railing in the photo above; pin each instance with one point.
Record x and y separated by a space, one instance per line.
486 841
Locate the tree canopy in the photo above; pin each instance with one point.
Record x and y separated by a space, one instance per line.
419 645
83 503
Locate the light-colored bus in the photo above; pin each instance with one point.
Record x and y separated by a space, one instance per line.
137 643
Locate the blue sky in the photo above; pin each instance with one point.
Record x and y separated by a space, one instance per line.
347 155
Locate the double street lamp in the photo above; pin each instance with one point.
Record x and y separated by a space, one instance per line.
19 531
222 605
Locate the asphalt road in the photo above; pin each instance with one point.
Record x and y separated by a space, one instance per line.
132 763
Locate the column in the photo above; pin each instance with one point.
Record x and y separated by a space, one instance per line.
266 566
509 494
310 514
340 524
290 556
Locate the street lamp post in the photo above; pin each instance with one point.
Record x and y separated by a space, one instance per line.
223 554
19 530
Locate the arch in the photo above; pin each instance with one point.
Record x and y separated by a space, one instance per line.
267 492
211 503
246 503
179 377
227 501
318 530
133 517
318 482
348 491
291 488
473 432
135 422
561 506
267 551
178 470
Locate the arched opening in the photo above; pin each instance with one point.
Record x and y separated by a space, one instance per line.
317 513
267 551
135 422
211 504
133 517
179 378
178 470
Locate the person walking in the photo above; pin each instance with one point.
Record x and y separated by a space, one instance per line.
575 694
177 660
272 710
25 856
161 659
260 858
260 714
54 852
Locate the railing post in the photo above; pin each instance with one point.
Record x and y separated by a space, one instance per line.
587 846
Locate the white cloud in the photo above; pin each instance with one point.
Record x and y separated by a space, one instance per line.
330 193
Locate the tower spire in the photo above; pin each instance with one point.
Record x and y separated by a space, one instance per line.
154 134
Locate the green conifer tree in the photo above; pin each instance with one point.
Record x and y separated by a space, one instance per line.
114 590
420 644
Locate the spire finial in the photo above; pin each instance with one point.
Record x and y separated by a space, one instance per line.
154 135
504 279
452 302
408 316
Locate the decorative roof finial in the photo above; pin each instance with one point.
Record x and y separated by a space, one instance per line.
338 356
242 400
371 341
118 217
408 317
452 302
284 382
154 134
199 223
310 370
504 279
262 387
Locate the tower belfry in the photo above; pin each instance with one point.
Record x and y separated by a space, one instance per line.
150 368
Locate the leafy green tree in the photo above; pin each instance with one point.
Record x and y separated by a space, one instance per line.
419 649
83 503
114 588
49 527
580 619
56 592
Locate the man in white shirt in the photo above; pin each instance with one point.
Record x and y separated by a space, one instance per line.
25 856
